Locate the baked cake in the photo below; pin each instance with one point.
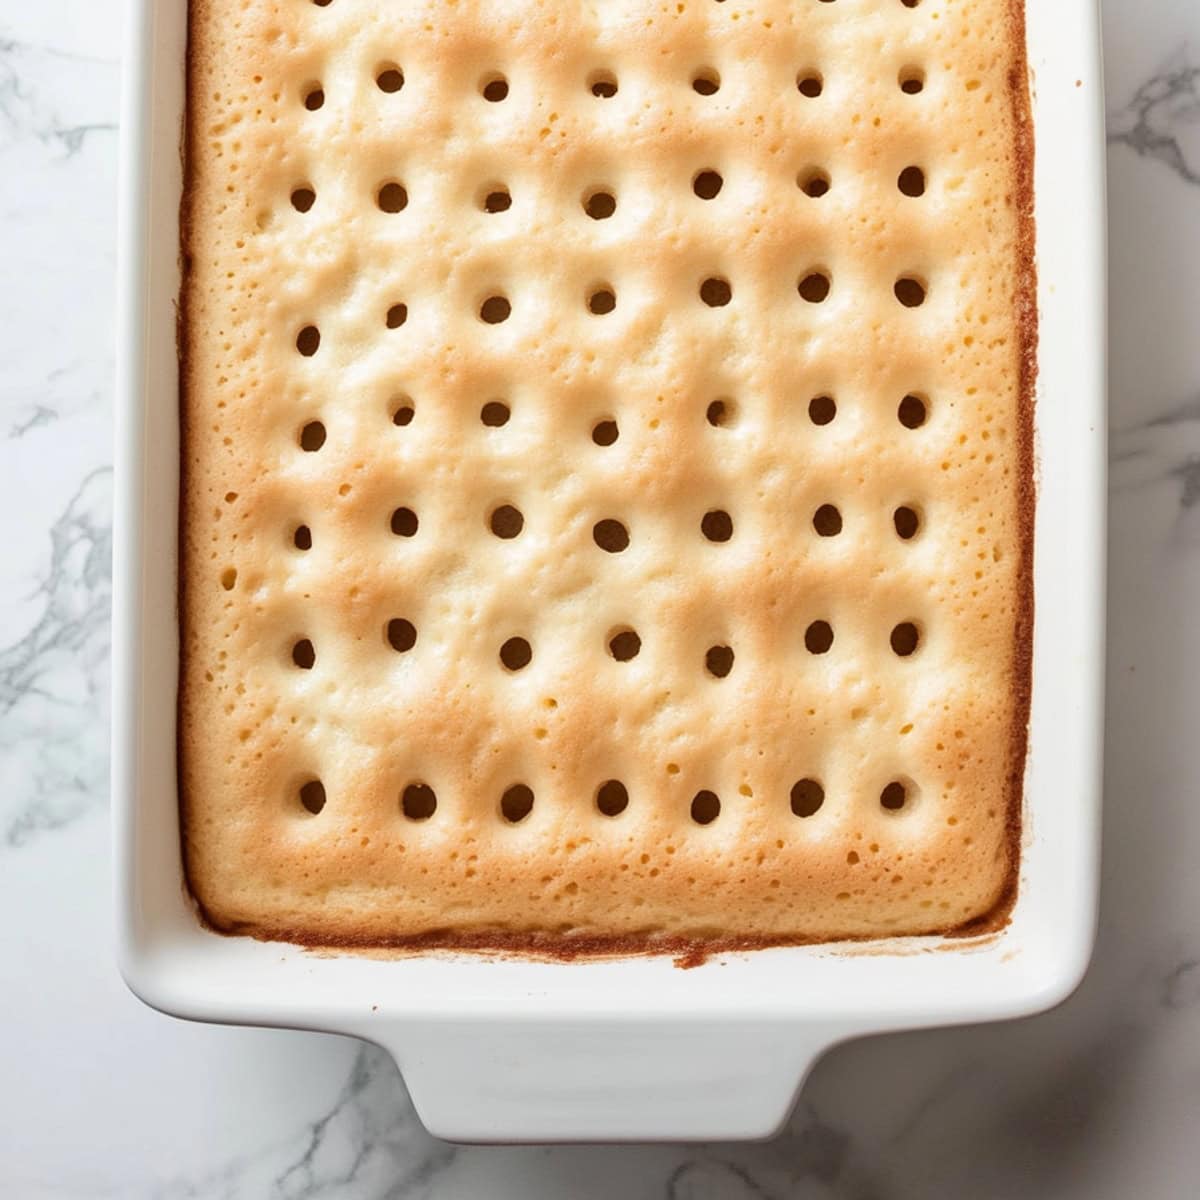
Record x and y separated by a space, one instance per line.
607 481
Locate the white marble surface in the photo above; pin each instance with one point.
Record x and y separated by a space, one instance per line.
100 1097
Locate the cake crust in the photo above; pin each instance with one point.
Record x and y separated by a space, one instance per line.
382 363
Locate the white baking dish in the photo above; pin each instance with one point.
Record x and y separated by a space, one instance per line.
507 1049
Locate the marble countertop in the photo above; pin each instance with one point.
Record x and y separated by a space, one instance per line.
100 1097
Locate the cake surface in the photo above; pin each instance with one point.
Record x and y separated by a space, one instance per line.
607 479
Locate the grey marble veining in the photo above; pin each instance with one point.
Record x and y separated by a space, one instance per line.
1162 121
1099 1100
54 679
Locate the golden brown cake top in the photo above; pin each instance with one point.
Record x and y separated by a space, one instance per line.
607 502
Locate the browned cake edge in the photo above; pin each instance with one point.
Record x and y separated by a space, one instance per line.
688 952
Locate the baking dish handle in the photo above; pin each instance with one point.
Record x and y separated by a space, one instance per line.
604 1079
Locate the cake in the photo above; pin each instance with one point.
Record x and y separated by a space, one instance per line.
607 486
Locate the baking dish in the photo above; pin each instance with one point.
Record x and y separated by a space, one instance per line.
512 1049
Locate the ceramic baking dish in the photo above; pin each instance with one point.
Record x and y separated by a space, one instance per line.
506 1049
